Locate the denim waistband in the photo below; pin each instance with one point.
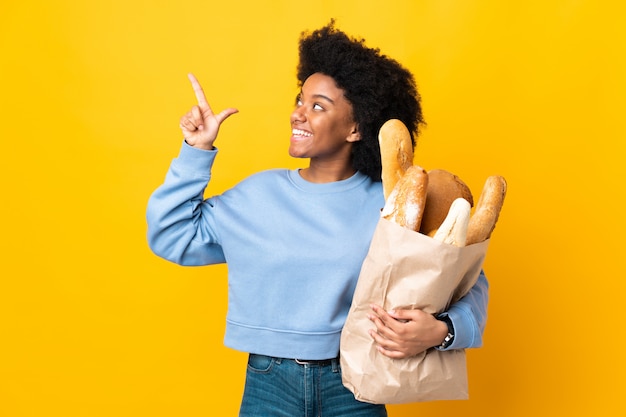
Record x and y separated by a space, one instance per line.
334 362
322 362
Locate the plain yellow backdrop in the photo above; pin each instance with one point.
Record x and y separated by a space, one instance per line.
93 324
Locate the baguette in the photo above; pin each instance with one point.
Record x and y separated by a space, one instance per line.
443 188
396 153
405 205
488 208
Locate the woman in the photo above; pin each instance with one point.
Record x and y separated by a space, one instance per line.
295 240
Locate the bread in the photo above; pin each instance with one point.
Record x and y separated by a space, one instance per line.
405 205
453 230
443 188
396 153
487 211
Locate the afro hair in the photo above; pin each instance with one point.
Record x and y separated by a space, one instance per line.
378 87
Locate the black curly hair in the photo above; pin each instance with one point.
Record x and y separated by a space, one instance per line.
378 87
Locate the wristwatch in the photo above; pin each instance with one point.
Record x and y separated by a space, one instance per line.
450 336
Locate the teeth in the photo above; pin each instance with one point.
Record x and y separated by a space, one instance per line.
299 132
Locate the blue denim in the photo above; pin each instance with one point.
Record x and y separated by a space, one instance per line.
277 387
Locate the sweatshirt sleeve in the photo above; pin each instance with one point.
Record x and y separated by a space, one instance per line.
469 316
180 222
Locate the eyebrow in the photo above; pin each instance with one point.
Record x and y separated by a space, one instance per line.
322 96
316 96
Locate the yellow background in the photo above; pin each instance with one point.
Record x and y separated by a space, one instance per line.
92 324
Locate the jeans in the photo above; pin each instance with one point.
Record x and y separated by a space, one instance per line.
277 387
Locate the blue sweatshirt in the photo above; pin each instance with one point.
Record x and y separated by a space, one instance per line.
294 251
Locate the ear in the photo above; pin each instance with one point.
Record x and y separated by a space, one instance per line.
354 135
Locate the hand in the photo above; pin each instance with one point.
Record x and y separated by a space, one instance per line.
405 333
200 125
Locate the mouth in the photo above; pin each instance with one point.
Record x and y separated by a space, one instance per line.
299 133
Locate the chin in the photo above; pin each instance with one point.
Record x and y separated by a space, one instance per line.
295 154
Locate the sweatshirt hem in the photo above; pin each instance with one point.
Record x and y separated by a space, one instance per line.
283 343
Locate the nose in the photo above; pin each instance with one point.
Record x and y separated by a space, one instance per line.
298 116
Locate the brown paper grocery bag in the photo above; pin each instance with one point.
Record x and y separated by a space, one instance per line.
406 269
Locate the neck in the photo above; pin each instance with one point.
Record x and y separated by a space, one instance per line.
323 173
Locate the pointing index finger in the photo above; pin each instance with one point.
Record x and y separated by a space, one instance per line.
197 89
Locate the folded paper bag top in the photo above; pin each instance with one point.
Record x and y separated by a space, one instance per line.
406 269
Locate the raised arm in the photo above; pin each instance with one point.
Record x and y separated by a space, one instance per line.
180 226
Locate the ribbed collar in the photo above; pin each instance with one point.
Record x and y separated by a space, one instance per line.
328 187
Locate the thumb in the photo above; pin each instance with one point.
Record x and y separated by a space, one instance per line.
401 314
225 114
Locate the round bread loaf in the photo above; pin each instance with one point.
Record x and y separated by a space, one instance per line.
443 188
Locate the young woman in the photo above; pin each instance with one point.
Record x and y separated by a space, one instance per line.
295 240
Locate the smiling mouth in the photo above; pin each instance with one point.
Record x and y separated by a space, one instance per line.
300 132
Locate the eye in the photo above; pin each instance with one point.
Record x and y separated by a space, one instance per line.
317 107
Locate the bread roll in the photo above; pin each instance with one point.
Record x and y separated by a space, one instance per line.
396 153
453 230
405 205
488 208
443 188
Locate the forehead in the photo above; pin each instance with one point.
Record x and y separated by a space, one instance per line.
320 84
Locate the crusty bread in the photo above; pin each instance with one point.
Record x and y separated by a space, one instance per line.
453 230
396 153
488 208
443 188
405 205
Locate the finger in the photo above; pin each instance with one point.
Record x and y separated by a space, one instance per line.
187 131
385 346
380 340
388 320
186 123
225 114
196 117
389 347
403 314
190 121
187 134
382 329
197 89
394 354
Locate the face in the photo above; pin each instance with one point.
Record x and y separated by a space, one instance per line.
322 123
